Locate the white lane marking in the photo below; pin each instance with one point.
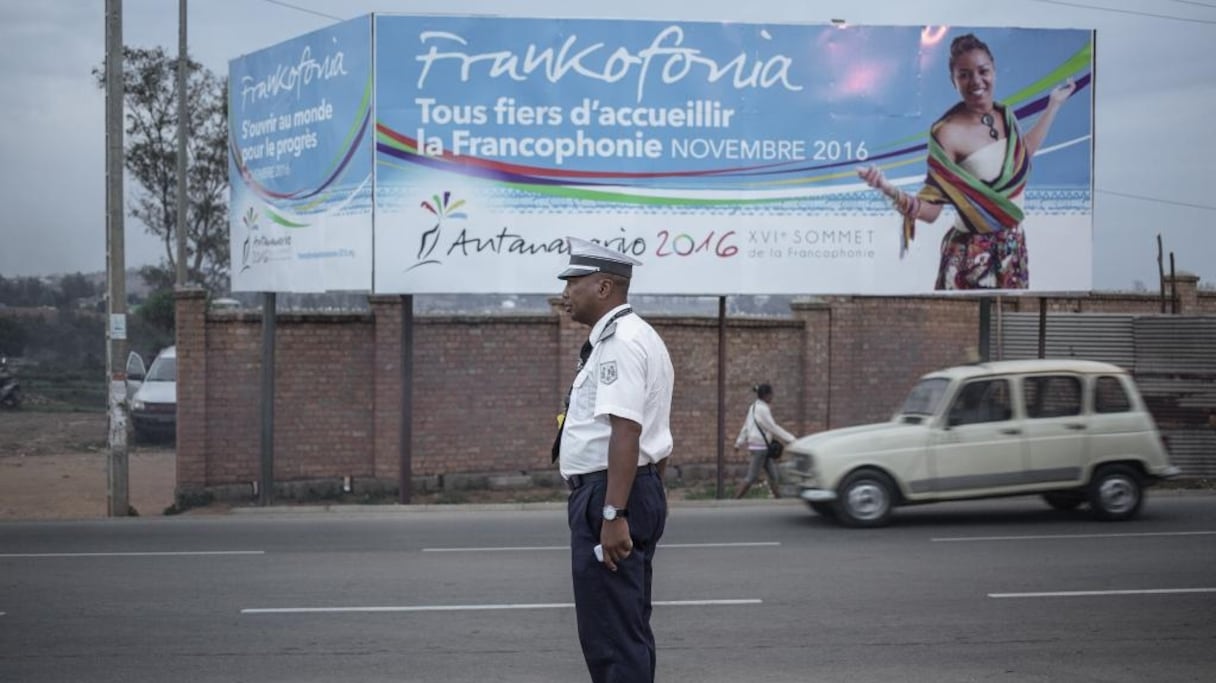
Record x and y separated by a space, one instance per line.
1050 537
756 544
506 549
1086 594
708 603
475 608
529 548
194 553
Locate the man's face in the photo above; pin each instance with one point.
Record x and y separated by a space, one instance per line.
581 297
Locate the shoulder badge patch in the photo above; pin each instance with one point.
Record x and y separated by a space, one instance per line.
608 373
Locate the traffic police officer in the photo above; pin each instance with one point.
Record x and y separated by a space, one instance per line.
613 446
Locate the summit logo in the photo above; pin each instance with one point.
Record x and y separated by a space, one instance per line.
443 208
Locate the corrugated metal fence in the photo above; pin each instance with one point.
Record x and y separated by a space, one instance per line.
1173 359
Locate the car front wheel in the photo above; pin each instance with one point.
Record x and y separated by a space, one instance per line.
865 499
1115 493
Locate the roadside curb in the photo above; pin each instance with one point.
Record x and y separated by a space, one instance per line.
1172 493
395 508
430 508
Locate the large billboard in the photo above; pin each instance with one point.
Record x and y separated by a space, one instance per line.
300 120
724 156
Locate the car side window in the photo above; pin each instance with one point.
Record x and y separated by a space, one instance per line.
1052 396
1110 396
981 401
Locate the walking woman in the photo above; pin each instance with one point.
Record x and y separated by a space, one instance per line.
758 430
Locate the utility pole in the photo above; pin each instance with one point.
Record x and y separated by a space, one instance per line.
118 504
183 129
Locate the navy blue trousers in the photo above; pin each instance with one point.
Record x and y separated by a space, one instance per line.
613 608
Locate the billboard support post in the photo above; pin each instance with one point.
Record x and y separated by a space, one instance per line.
721 394
266 476
986 329
406 453
1042 327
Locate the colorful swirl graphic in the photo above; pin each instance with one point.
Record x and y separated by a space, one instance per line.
739 185
314 198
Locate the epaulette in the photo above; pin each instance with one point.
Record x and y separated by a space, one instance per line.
609 330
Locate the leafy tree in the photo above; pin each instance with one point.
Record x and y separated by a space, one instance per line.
158 311
13 337
158 277
66 339
150 96
26 291
75 287
151 326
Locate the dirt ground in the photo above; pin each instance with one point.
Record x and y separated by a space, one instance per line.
53 466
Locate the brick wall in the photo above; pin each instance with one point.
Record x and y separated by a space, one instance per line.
879 347
1191 300
486 394
757 351
387 371
486 389
323 398
192 454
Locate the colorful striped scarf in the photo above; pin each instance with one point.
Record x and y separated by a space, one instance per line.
984 207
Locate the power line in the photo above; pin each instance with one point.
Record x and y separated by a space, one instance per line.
288 5
1143 198
1129 11
1195 2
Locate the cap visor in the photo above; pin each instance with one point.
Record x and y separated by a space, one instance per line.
576 271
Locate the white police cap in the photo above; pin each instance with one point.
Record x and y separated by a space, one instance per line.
588 257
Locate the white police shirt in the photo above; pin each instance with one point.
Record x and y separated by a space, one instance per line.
629 375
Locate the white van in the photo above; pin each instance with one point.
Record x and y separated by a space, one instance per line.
154 402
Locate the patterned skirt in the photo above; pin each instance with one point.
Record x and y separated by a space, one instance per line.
992 261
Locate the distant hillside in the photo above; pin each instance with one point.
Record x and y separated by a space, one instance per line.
136 285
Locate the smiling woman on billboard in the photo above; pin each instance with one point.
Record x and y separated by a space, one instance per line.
979 162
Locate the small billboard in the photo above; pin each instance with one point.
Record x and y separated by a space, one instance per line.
300 120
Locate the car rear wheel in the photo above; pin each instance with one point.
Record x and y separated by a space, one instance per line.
1115 493
1061 500
865 499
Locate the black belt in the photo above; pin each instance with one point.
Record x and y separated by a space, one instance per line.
577 481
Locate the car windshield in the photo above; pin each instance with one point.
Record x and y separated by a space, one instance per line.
925 397
163 370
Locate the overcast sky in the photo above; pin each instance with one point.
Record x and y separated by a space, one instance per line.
1155 85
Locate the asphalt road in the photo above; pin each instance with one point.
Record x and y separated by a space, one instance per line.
995 590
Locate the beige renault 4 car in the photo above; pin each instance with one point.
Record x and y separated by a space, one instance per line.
1074 432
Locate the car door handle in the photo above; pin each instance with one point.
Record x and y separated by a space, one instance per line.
1074 426
1011 431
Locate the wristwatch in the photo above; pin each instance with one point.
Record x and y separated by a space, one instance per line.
611 512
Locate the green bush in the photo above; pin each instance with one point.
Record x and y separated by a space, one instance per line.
13 338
